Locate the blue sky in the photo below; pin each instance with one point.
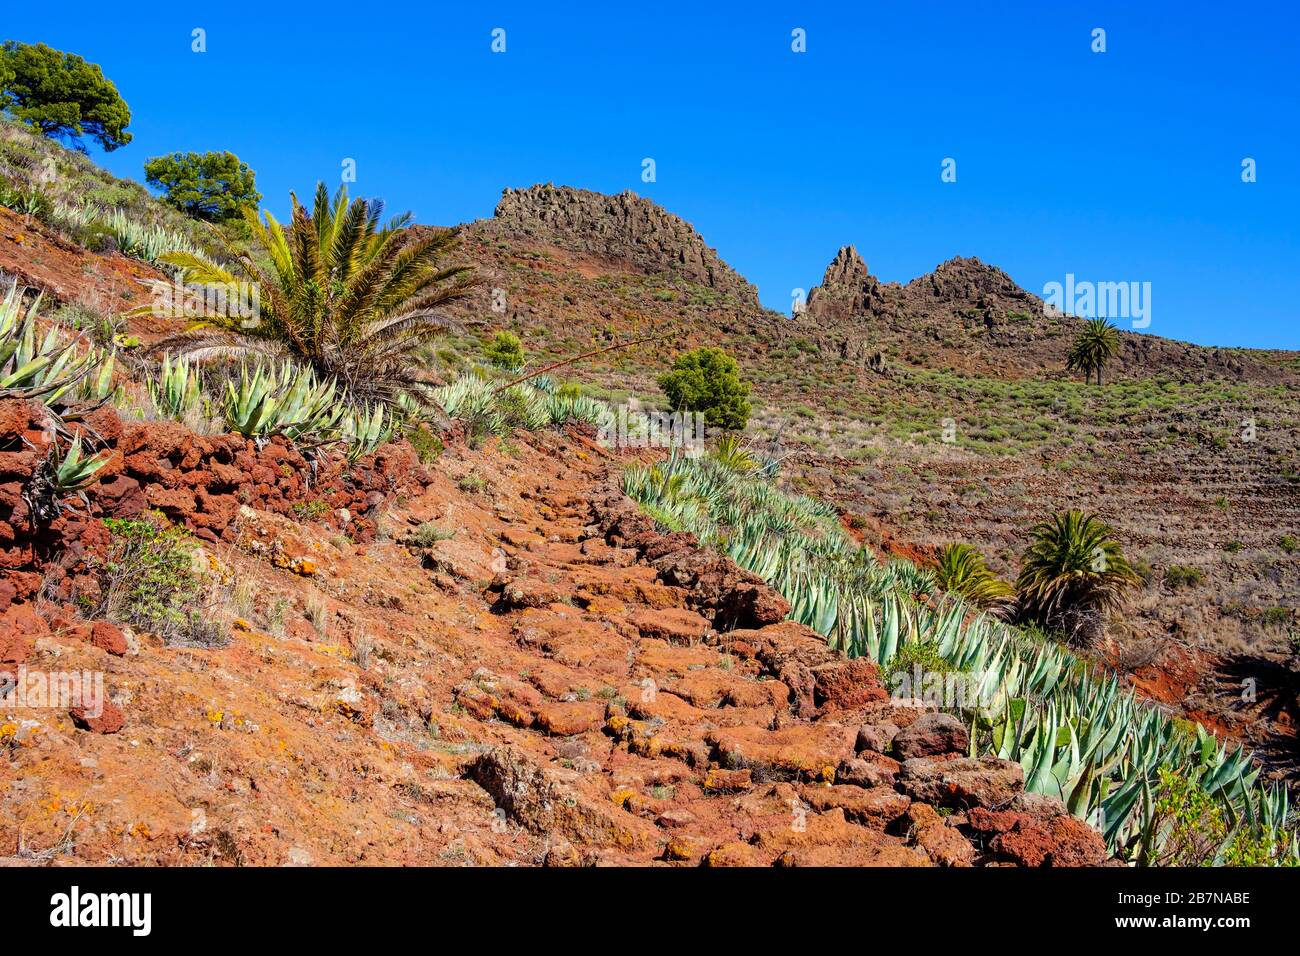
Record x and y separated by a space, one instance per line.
1115 166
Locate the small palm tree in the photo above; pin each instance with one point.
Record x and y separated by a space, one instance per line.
350 297
1072 574
1096 344
961 569
733 454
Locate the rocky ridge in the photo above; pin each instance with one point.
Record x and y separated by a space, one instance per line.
969 314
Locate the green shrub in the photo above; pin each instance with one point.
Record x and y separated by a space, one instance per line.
428 534
473 484
1196 831
1178 576
505 351
707 380
1276 615
1142 568
309 510
427 445
923 654
149 581
1288 544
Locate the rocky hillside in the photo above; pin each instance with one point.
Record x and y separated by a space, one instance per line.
1192 453
546 680
494 660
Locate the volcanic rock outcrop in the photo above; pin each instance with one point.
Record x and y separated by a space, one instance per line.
626 227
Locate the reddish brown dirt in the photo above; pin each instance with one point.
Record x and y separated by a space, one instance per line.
1172 676
64 272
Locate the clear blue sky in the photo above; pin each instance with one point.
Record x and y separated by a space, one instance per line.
1121 166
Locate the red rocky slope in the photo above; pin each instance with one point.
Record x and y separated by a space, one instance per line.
554 683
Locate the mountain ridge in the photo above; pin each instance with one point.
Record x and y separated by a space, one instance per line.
964 314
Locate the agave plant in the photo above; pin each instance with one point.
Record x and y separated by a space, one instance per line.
961 569
471 399
140 240
350 298
75 218
522 406
1095 345
45 366
488 409
1072 573
563 408
76 471
59 476
177 390
30 202
99 386
285 401
365 430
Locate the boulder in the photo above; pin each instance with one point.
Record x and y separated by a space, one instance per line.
19 628
931 734
847 685
108 637
943 844
547 802
876 807
864 773
109 720
876 737
1029 839
962 782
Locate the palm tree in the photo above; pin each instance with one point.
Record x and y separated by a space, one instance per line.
961 569
350 298
1071 575
1096 344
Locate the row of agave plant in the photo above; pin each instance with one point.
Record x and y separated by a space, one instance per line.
268 399
1077 733
48 362
487 408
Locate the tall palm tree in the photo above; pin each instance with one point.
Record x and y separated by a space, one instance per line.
961 569
1096 344
1072 574
349 297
